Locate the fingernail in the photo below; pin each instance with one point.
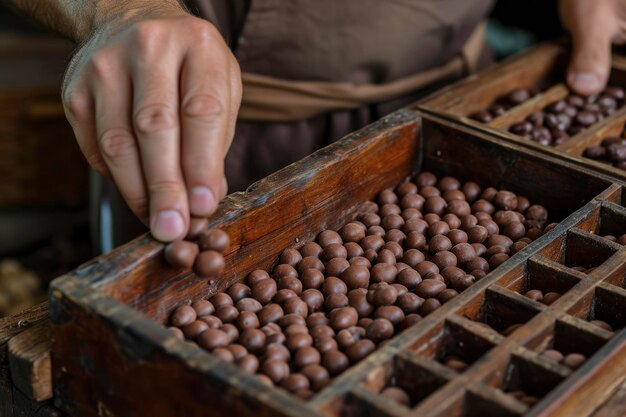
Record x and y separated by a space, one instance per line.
201 201
168 225
586 82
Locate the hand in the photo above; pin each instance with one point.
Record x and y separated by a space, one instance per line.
594 25
153 101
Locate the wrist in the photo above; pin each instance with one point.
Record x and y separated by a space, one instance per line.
114 15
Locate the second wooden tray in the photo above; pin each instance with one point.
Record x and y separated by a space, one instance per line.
541 68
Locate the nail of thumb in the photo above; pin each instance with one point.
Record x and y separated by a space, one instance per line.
586 83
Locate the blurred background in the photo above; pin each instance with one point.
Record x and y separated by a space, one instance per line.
44 181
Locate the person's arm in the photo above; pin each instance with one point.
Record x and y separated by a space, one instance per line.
152 95
594 26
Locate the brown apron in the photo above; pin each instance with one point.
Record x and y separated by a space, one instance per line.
315 70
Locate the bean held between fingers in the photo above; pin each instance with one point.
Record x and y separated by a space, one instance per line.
206 263
328 304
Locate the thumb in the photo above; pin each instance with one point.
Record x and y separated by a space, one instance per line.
590 64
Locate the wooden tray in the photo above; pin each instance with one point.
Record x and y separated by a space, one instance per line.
540 67
111 354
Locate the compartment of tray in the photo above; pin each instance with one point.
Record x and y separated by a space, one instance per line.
606 304
582 250
457 344
560 118
569 337
612 126
416 375
543 276
612 222
502 310
447 151
529 377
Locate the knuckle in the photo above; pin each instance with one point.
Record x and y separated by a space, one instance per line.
154 118
202 31
148 36
76 104
146 30
117 144
204 107
103 64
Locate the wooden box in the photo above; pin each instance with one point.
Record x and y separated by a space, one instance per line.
542 67
112 355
